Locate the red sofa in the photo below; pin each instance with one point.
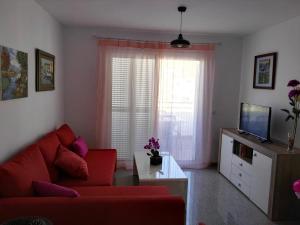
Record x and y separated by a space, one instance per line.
99 203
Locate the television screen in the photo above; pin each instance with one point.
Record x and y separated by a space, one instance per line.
255 120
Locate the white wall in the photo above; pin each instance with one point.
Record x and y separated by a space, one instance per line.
283 38
81 70
24 26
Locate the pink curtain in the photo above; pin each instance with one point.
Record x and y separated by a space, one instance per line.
104 94
151 45
178 94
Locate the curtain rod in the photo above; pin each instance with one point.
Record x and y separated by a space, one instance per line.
124 39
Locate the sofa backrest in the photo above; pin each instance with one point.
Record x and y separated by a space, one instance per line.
17 174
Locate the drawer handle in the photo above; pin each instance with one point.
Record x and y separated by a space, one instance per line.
255 154
240 174
241 164
239 185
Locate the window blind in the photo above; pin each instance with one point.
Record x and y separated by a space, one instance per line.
132 102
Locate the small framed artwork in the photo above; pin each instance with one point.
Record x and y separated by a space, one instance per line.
45 69
265 71
13 73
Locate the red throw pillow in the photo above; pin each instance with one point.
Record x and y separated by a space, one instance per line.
80 147
71 163
17 174
66 135
44 189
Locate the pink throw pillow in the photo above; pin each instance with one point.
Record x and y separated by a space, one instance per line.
80 147
44 189
71 163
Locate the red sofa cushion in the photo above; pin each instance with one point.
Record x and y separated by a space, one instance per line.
123 191
49 146
71 163
104 210
101 165
17 174
66 135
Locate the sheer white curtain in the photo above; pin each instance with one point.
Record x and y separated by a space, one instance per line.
149 90
127 105
185 106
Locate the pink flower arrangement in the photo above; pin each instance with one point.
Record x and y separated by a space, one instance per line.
296 187
153 146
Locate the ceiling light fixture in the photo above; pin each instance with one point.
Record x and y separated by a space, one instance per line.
180 42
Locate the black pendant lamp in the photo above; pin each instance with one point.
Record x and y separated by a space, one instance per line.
180 42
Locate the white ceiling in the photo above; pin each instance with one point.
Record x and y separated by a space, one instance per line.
202 16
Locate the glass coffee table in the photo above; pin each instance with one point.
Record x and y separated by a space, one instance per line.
167 174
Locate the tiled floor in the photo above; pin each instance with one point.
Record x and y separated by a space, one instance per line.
213 200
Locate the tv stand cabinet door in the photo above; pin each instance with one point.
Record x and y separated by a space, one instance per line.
226 156
261 180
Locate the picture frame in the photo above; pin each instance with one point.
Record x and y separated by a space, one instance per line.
45 71
265 71
13 74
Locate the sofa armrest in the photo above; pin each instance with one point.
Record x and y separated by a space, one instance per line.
113 151
146 210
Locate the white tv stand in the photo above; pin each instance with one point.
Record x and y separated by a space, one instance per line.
264 172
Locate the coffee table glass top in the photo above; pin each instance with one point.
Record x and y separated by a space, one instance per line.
168 170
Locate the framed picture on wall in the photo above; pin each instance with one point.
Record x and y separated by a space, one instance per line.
13 73
45 69
265 71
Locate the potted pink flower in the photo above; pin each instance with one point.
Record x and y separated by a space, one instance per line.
153 146
294 97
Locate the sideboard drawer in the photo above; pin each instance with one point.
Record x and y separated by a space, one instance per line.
242 186
243 176
243 165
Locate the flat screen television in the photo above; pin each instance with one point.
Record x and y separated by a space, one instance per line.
255 120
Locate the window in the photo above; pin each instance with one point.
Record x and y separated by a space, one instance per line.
132 105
